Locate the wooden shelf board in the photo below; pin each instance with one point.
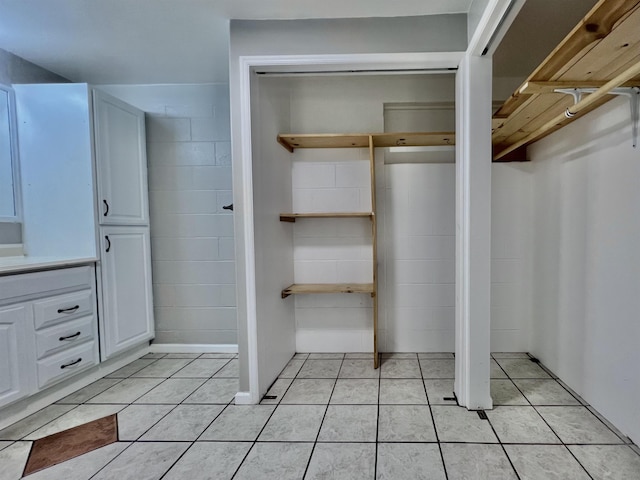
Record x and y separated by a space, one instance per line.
598 49
307 288
414 139
291 217
325 140
361 140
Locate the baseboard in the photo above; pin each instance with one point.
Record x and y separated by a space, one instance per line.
11 250
243 398
192 348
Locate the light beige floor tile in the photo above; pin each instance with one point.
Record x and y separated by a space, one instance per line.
33 422
281 461
476 462
135 420
457 424
239 423
172 391
353 461
90 391
409 461
355 391
184 423
127 391
209 460
82 467
143 461
349 423
545 462
13 459
608 462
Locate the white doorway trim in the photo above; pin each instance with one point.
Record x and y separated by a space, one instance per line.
290 63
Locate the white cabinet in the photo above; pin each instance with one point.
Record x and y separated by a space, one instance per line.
126 318
16 353
121 161
48 329
83 156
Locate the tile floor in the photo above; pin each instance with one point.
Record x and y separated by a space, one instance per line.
334 417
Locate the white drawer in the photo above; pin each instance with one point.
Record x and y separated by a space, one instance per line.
60 308
58 367
65 335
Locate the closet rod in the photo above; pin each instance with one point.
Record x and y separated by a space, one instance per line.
625 76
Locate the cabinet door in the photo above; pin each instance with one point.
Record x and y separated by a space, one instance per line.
17 361
121 160
126 301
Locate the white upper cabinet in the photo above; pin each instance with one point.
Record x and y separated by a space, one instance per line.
126 318
121 161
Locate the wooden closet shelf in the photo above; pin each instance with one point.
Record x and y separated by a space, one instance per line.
306 288
361 140
600 48
291 217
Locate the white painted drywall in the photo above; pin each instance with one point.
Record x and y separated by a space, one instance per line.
273 239
56 170
587 262
189 159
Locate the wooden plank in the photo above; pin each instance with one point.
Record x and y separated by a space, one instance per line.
413 139
549 87
361 140
374 241
309 288
326 140
579 107
291 217
531 119
537 106
623 40
597 24
606 36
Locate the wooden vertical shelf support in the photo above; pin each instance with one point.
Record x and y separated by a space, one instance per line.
374 239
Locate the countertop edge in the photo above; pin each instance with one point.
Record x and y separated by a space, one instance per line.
10 265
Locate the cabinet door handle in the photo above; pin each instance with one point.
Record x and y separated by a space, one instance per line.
71 364
69 337
69 310
106 237
106 208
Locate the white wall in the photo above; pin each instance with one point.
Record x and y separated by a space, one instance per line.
273 239
587 263
189 158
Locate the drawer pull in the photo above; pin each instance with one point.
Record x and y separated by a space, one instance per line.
69 337
71 364
106 208
69 310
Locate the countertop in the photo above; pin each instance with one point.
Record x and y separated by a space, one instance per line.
30 263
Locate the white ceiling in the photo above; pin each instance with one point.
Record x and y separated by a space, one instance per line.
162 41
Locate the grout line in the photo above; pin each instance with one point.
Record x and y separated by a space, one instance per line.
433 421
503 449
326 409
375 466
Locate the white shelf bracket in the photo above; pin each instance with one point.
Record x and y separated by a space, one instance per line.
634 103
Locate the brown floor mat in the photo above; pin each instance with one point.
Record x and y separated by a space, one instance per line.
62 446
